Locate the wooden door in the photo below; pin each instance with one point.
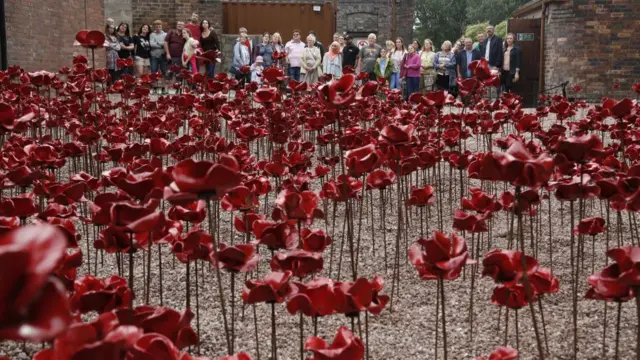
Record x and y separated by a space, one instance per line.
281 17
527 33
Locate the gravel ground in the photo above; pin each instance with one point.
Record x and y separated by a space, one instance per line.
407 332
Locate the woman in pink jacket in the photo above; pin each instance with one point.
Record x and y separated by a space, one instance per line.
411 68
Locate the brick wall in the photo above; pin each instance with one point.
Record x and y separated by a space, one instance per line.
40 34
170 11
594 43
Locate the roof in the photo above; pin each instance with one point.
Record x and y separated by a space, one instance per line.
532 6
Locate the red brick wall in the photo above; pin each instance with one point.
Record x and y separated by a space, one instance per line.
594 43
40 34
146 11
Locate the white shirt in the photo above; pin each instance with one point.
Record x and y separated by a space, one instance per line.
487 50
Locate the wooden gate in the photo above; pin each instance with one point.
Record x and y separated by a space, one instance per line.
280 17
527 33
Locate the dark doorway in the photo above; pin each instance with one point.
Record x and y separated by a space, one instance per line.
527 33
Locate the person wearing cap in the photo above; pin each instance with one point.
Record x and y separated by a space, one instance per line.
349 52
256 69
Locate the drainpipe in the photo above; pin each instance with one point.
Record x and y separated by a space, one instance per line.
542 44
3 38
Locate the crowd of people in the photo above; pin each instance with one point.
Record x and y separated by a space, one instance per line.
413 67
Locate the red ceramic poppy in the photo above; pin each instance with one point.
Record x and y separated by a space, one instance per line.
275 235
397 134
421 196
134 218
338 93
362 160
240 198
345 346
480 202
380 179
90 39
469 222
237 258
167 322
513 297
273 75
100 295
33 305
267 95
205 178
195 245
274 287
502 353
299 206
194 212
439 256
606 285
580 149
504 266
153 346
300 263
314 298
543 282
245 224
314 240
590 226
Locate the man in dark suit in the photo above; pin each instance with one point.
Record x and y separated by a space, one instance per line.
465 57
491 49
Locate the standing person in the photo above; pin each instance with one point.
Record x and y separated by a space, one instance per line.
427 71
112 48
278 47
445 64
480 39
317 43
157 55
349 52
241 57
511 63
416 45
389 46
491 49
332 62
256 70
293 49
109 21
194 26
397 57
412 67
311 61
383 66
368 57
465 57
209 42
264 49
189 51
174 44
142 50
341 42
126 46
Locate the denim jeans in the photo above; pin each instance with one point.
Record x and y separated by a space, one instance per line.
158 63
211 70
294 73
413 85
394 81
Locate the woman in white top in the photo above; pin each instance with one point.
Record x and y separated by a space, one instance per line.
310 62
397 57
332 62
189 51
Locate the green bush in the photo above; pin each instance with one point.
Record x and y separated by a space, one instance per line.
501 29
473 30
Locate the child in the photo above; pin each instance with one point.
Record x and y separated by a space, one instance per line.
383 67
256 70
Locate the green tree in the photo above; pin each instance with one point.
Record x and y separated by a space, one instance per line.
493 11
440 20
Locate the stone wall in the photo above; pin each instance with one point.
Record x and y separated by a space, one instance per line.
40 34
594 43
361 17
